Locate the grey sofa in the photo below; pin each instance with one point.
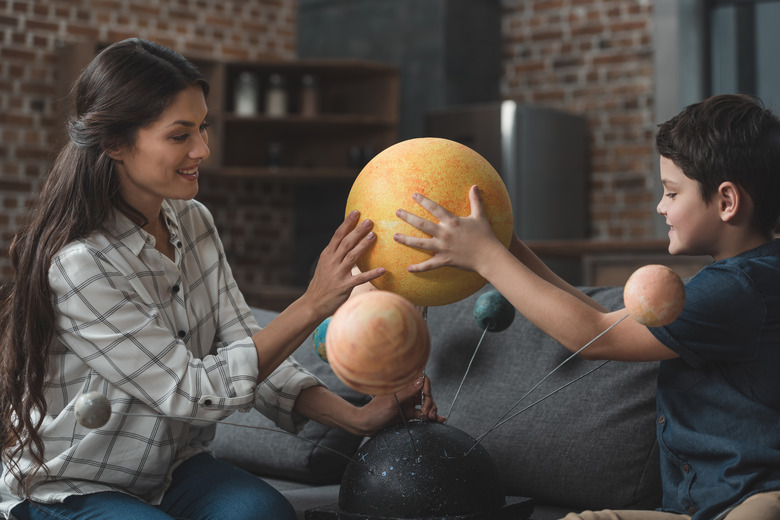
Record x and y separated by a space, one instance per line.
589 446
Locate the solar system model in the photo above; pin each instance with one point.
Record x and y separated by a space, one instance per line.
377 343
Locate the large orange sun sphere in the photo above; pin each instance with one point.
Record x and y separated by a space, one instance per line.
654 295
378 343
443 171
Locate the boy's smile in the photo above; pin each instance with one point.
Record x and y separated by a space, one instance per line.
692 221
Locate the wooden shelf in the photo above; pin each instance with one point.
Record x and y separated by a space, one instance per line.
580 247
611 262
328 122
313 174
357 116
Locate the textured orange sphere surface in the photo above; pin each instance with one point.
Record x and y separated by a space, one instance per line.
443 171
654 295
378 343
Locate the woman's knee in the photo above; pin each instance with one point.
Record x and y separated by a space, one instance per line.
262 501
206 488
107 504
279 506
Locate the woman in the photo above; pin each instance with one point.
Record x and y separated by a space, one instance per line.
121 286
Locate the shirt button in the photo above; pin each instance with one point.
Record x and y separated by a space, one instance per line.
182 333
686 468
175 289
662 419
178 244
691 511
207 402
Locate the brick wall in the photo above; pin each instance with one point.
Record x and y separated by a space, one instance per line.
593 57
254 217
588 56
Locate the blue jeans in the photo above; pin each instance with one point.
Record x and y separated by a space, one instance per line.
203 488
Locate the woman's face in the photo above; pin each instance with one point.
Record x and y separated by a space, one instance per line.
164 161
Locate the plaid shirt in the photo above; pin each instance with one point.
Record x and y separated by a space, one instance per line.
155 336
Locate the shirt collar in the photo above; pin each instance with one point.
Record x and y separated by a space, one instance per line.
171 218
132 235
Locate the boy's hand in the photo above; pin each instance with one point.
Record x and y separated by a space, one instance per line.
462 242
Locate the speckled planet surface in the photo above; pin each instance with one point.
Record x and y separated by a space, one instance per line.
429 471
92 410
654 295
493 311
443 171
377 342
318 339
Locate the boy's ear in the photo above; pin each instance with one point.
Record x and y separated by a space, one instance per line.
730 200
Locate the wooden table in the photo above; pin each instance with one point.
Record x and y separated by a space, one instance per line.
611 262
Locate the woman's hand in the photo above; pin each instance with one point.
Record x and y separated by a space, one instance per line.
320 404
330 286
333 278
462 242
416 402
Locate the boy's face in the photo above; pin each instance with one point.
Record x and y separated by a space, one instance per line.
693 228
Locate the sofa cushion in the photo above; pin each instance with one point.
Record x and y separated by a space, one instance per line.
589 446
280 455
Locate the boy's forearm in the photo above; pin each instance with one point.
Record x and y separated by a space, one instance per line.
527 257
559 309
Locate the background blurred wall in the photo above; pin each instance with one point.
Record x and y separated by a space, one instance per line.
593 57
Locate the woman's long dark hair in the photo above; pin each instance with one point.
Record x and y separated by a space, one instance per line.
125 88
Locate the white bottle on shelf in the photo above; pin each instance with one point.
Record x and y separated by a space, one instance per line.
276 96
246 94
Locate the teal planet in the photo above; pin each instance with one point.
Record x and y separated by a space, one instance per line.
318 339
493 311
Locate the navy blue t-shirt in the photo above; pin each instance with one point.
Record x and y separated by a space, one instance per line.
719 403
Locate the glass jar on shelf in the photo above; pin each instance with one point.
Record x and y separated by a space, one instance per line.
276 96
246 94
309 96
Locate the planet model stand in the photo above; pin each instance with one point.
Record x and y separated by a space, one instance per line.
447 473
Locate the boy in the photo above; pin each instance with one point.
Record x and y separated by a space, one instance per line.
718 395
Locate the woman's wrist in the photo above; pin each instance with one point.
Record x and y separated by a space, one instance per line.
319 404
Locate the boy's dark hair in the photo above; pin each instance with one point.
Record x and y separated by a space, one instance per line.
730 137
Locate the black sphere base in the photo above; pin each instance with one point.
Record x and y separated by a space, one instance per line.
429 471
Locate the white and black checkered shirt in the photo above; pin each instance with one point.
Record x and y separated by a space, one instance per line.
155 337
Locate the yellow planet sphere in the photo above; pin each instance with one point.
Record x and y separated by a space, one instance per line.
378 343
443 171
654 295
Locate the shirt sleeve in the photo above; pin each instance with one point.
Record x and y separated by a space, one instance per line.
721 319
112 324
275 397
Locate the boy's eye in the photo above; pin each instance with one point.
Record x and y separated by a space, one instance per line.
671 195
